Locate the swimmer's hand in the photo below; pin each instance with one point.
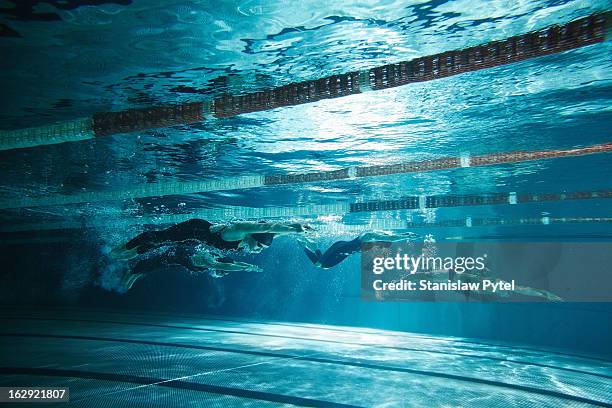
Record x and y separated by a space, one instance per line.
233 266
129 279
254 268
246 267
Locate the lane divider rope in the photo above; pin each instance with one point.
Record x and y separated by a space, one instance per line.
442 201
554 39
490 222
245 182
341 209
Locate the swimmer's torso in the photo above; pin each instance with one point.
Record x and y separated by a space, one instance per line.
194 229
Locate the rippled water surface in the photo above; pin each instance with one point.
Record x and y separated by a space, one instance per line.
126 54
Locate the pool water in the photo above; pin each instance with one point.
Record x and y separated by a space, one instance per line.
120 117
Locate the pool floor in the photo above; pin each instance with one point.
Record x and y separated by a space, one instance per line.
111 358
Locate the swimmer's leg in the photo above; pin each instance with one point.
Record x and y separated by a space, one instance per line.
306 242
311 250
338 252
314 256
131 250
239 230
122 253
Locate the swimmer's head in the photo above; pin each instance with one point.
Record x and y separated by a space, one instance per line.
301 227
307 229
217 228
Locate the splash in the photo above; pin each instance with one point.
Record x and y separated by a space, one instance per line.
111 275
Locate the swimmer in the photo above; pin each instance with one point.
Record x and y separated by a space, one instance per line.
247 236
341 250
194 258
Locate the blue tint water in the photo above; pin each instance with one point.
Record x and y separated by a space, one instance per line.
114 57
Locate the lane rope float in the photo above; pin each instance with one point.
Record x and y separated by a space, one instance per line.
554 39
245 182
345 208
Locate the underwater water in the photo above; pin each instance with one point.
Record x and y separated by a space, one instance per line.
135 130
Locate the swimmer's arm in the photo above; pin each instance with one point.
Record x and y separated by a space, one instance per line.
538 293
239 230
236 267
207 261
382 236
